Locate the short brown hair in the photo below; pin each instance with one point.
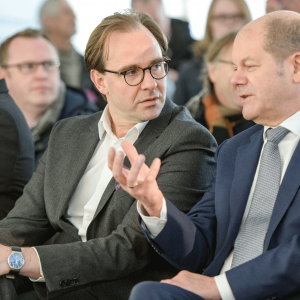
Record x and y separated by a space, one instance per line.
200 47
213 53
282 37
27 33
120 21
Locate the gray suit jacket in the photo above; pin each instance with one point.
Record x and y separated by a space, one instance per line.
117 254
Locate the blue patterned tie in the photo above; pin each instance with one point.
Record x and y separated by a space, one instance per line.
250 241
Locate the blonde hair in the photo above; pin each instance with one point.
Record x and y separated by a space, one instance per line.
214 51
201 46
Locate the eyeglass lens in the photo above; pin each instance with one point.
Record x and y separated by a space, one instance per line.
31 67
158 71
225 18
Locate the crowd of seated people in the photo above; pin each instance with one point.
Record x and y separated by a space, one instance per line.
137 201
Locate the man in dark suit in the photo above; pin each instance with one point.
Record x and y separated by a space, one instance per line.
244 233
99 251
16 152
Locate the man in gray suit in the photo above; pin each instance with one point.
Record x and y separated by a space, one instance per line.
99 249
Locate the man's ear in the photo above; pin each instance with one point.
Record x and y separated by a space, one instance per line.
211 72
296 67
99 81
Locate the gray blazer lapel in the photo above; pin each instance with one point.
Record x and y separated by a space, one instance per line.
153 129
79 151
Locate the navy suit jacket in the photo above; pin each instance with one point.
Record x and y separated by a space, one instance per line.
202 240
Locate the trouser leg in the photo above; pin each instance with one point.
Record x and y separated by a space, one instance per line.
7 289
149 290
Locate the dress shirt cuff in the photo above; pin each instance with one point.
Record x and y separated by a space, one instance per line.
42 278
153 224
224 287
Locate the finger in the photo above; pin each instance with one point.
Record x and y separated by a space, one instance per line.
135 170
174 282
154 170
130 151
117 168
111 157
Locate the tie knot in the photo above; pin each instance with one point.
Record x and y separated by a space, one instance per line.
275 135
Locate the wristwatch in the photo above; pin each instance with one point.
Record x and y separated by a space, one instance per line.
15 261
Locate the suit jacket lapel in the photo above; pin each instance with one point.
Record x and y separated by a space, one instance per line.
287 191
80 151
245 168
153 129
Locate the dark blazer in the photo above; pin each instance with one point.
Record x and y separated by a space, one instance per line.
117 254
179 49
211 227
16 152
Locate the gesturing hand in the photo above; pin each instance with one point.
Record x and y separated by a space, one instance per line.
140 180
201 285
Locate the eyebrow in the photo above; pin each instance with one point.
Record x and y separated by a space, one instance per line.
133 66
247 58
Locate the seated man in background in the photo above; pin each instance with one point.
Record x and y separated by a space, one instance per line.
16 152
30 65
100 252
218 106
244 234
58 21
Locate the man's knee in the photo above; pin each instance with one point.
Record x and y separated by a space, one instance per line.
147 290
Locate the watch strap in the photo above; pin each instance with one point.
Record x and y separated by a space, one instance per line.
16 248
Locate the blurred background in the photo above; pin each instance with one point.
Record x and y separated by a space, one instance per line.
16 15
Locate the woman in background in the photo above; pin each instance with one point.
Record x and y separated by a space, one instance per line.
224 16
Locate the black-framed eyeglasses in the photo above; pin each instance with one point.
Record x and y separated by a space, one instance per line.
31 67
136 75
222 18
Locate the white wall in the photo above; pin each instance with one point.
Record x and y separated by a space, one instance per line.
16 15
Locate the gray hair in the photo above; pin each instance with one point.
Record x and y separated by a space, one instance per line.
282 37
50 8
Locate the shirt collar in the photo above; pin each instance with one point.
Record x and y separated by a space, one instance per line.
104 126
292 124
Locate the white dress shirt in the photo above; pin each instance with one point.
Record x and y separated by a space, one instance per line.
97 175
286 147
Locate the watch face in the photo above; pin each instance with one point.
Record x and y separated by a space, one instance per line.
16 261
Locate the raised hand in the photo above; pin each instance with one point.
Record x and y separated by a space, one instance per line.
140 180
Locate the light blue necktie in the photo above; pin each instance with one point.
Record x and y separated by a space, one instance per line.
250 241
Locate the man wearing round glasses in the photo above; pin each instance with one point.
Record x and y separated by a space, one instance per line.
30 65
99 242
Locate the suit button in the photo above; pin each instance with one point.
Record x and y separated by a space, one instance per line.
72 282
63 283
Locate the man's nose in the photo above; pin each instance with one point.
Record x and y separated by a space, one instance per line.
238 78
41 71
149 82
